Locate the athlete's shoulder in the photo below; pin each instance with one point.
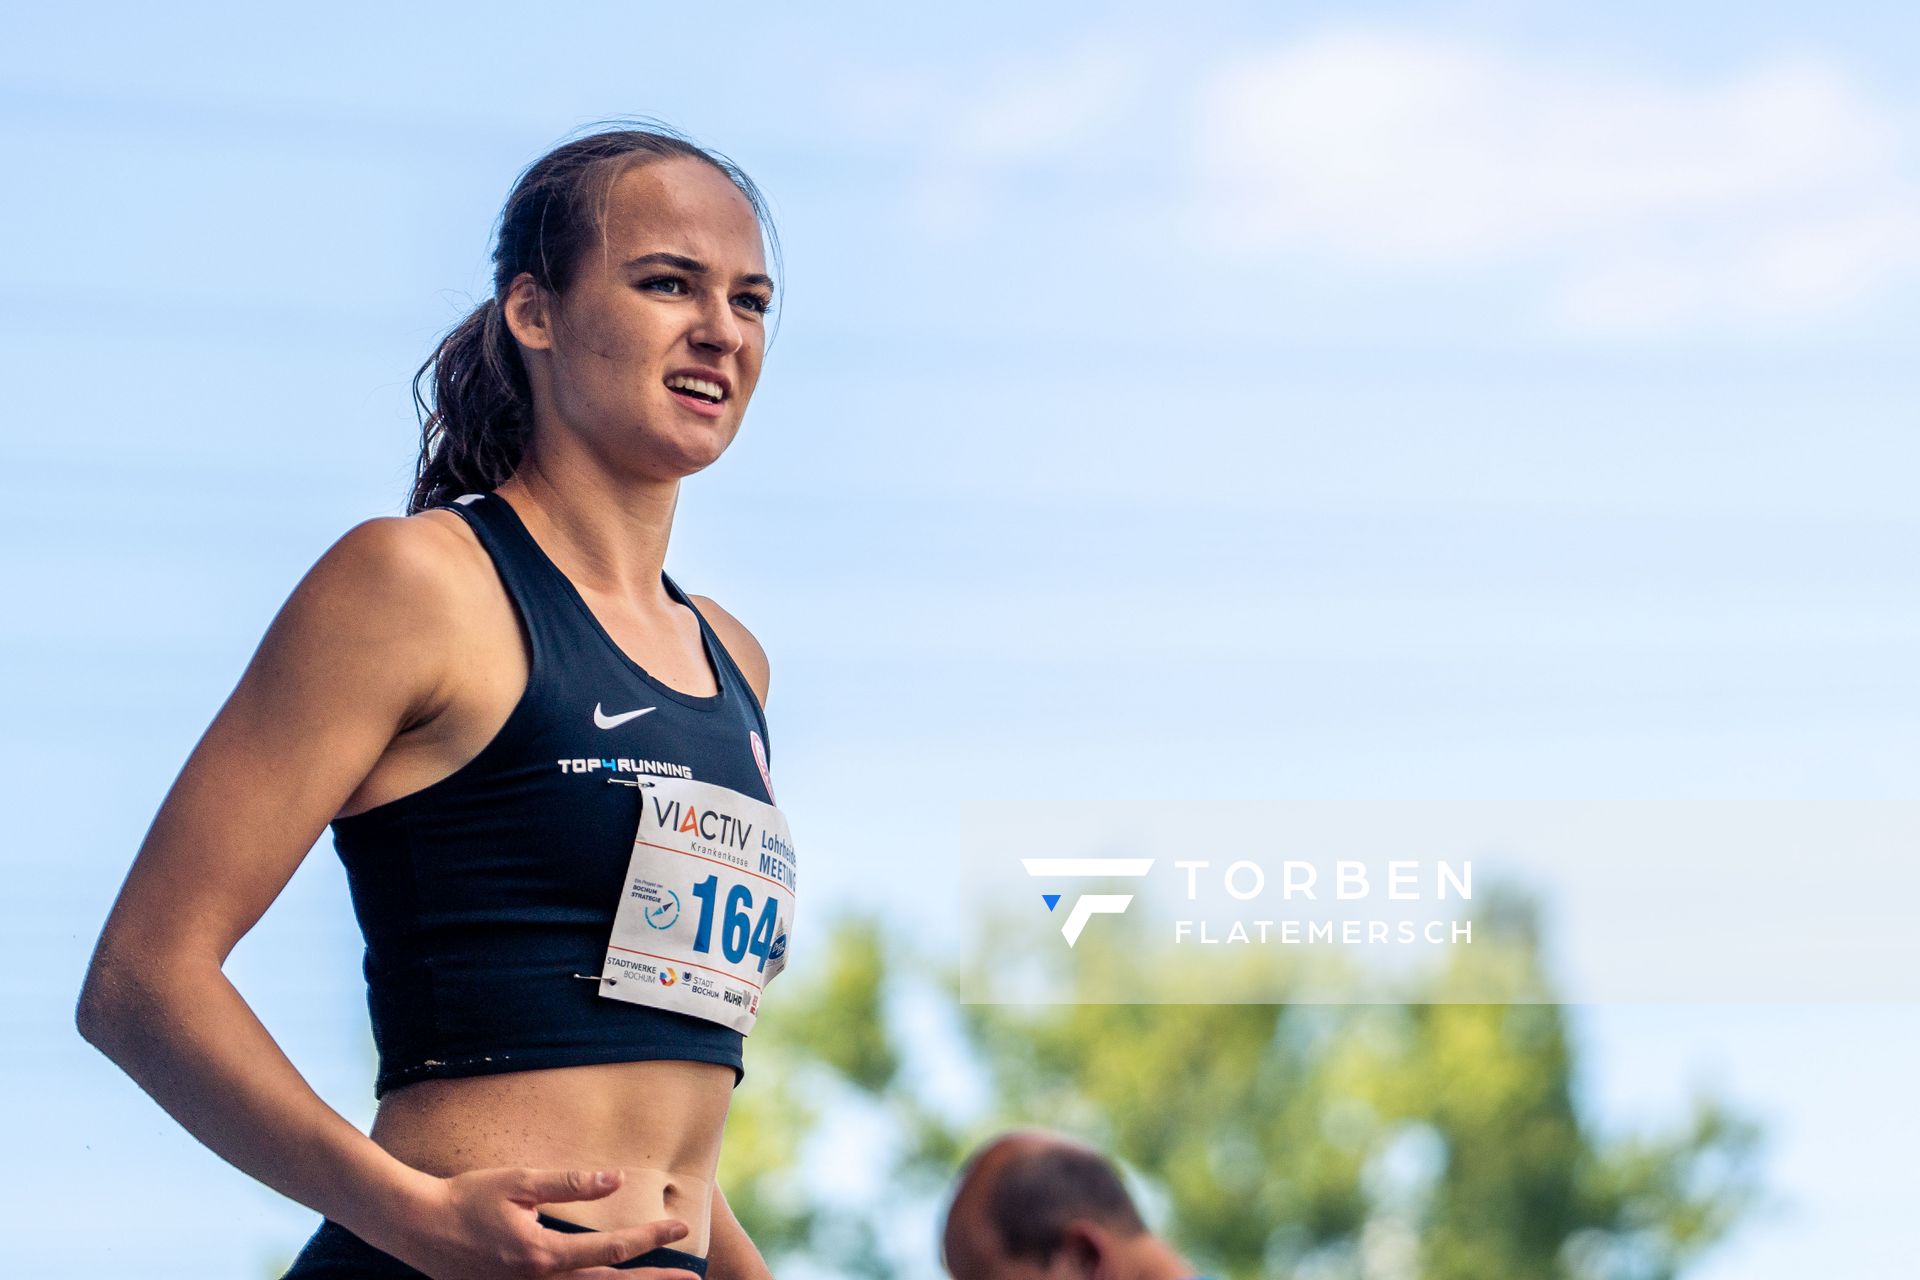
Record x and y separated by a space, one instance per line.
747 652
401 553
425 566
366 633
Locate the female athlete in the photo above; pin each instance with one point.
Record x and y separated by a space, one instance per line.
545 767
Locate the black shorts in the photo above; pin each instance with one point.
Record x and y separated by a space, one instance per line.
334 1253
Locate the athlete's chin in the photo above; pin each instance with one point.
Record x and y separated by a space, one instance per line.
667 449
685 457
708 449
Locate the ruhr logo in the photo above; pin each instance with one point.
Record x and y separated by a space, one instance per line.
1087 905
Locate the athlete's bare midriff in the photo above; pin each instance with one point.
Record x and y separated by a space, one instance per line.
659 1121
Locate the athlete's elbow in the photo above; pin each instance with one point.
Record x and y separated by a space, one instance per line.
117 1000
94 1012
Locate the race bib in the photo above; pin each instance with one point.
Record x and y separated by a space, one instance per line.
702 926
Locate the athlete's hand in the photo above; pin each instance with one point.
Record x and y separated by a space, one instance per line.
484 1225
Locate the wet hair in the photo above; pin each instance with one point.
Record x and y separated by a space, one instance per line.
1042 1188
472 394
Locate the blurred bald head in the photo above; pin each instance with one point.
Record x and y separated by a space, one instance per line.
1032 1205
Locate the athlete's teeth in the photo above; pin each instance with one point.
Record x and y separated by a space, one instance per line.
709 389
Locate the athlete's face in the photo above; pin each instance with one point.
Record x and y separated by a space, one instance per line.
680 290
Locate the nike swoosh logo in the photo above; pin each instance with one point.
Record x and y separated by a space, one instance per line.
606 721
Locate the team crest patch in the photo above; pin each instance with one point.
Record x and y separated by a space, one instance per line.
760 758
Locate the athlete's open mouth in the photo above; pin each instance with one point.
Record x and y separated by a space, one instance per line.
704 390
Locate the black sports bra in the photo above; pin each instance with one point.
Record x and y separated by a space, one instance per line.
486 897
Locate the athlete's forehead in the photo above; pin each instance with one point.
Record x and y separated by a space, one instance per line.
685 208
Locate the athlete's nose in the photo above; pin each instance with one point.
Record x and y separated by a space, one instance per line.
718 329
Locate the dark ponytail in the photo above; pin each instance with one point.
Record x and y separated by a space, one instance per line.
475 422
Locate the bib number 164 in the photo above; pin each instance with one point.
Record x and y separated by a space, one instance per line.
740 933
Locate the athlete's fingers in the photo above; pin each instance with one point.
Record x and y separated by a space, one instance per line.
558 1186
571 1251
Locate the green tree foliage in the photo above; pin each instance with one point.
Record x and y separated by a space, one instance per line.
1442 1141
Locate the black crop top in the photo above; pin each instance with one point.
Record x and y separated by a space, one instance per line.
487 897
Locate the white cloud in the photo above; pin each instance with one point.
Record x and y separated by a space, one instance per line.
1789 274
1637 204
1779 195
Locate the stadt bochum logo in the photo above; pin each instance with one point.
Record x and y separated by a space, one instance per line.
1087 905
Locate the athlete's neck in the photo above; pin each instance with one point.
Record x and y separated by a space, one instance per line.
608 535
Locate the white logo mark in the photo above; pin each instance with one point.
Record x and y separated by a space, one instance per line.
606 721
1089 905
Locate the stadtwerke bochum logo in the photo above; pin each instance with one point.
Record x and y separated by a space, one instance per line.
1087 905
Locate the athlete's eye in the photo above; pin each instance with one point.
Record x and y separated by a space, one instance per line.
675 281
758 303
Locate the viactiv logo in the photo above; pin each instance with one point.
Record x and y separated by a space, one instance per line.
1087 905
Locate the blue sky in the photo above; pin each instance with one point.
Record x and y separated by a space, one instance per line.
1390 406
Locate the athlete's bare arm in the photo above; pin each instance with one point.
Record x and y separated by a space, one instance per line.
731 1254
364 651
745 650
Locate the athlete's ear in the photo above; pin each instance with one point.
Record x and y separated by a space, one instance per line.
527 312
